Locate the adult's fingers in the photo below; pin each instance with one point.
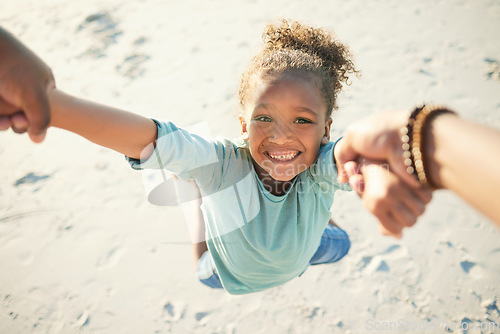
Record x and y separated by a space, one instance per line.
388 226
4 123
7 109
403 215
37 110
19 122
417 200
425 194
414 204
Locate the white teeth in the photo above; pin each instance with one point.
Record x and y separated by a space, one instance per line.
283 157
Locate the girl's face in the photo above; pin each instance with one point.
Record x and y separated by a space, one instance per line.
285 126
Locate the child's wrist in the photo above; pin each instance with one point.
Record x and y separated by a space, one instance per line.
57 106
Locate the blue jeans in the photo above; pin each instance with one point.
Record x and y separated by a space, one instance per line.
334 245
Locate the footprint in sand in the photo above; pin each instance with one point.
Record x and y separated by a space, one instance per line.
375 264
31 178
383 266
26 257
131 67
22 249
311 312
110 259
493 71
6 302
467 266
308 310
491 307
172 313
201 317
365 260
395 252
104 31
82 320
391 249
471 268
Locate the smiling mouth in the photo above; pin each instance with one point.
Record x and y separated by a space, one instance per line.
283 156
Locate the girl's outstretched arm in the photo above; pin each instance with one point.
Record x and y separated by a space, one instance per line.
116 129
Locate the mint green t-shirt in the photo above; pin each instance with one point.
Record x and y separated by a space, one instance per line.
257 240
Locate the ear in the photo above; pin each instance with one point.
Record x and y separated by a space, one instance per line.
244 131
326 135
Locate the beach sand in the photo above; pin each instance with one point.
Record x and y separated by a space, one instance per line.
82 250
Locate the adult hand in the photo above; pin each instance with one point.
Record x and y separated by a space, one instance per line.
375 137
395 204
24 82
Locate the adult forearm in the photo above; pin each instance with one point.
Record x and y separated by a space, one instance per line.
464 157
119 130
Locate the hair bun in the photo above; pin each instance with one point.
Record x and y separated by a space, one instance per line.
290 45
292 35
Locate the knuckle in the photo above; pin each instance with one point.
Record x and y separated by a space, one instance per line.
411 221
420 210
383 229
373 206
388 229
378 207
392 190
369 206
425 195
428 198
381 202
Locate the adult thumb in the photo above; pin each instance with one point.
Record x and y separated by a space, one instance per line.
37 109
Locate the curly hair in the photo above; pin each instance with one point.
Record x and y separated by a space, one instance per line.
293 47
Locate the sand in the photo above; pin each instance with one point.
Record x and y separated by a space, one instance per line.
83 251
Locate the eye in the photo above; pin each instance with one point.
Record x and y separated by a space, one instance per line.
302 121
263 119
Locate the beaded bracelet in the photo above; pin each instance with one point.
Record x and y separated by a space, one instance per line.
416 127
407 133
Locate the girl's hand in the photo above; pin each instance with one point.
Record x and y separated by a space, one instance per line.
395 204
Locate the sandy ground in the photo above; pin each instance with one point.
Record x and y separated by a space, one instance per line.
82 250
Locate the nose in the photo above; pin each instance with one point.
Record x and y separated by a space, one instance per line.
281 134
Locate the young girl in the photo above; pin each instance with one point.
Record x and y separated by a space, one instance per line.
267 195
